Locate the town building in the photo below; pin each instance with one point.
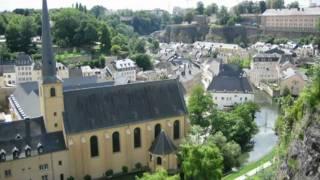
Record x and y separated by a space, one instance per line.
210 69
75 128
23 68
264 67
292 80
122 71
230 87
291 20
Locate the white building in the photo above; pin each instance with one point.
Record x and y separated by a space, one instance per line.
230 87
23 68
264 67
122 71
9 77
62 71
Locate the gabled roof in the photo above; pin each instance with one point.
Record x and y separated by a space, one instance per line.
102 107
162 145
230 79
29 133
27 93
230 84
23 60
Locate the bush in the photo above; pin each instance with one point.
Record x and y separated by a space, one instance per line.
109 172
125 169
70 178
138 166
87 177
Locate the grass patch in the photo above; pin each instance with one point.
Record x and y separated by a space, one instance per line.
248 167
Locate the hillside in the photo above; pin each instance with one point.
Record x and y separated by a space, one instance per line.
299 131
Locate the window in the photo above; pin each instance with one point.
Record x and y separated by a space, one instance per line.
116 142
159 161
176 129
44 177
43 167
137 138
52 92
7 173
55 114
94 147
60 163
157 130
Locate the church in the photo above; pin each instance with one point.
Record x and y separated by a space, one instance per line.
77 127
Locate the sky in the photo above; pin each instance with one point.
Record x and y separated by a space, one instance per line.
122 4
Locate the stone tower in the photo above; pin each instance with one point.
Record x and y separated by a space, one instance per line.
50 88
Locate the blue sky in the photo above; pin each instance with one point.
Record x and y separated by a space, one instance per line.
121 4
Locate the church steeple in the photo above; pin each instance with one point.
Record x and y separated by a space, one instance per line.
48 62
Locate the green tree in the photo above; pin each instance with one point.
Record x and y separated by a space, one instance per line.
115 50
200 8
231 151
294 4
201 161
177 19
211 9
19 33
160 174
98 11
262 6
2 25
200 107
275 4
4 52
105 39
223 15
189 16
143 61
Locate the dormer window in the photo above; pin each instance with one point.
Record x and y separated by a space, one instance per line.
18 137
40 148
15 153
27 151
2 155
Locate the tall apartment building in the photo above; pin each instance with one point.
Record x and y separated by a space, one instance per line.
264 67
291 20
23 68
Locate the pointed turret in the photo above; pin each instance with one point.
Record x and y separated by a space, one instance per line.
48 62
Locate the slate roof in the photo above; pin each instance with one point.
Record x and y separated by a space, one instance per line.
29 132
6 66
26 95
96 108
23 60
231 78
162 145
230 84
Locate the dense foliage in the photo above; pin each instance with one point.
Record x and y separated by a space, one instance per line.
228 131
290 124
160 174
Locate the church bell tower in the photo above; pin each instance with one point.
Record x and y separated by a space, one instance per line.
50 87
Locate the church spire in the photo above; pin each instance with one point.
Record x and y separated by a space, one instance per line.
48 62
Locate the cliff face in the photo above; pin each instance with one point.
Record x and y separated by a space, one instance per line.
303 159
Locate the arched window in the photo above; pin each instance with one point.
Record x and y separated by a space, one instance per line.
159 161
94 147
52 92
176 129
137 138
116 142
157 130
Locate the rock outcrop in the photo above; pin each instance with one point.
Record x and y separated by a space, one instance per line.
303 158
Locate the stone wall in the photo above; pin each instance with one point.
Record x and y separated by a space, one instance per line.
186 33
